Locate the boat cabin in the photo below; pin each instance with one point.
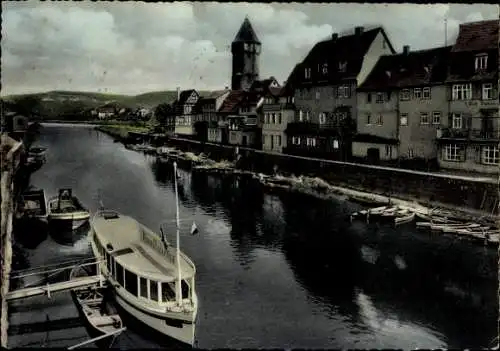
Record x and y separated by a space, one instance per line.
142 264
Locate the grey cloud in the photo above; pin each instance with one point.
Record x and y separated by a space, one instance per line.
137 47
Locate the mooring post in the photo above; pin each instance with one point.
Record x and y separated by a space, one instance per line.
48 290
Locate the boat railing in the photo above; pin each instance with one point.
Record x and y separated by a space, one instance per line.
155 242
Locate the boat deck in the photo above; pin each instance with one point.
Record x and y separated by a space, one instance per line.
125 235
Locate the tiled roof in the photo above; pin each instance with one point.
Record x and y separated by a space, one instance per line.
348 49
246 33
415 68
262 85
214 94
477 36
232 101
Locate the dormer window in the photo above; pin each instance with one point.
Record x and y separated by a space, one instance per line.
307 73
324 69
342 66
481 62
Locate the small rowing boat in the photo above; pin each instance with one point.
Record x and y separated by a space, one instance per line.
66 208
98 312
404 218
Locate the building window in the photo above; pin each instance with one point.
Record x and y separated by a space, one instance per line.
379 99
436 118
490 155
318 95
296 140
426 93
481 62
424 118
456 121
368 98
417 93
454 153
368 119
311 142
322 118
301 115
405 95
272 141
343 92
487 91
279 118
342 66
273 118
380 120
278 140
324 69
307 116
462 91
403 119
307 73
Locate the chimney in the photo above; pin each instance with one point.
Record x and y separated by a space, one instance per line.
335 36
406 49
359 30
178 93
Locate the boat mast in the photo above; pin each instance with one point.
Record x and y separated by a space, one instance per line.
179 278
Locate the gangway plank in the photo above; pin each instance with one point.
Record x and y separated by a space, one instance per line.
48 289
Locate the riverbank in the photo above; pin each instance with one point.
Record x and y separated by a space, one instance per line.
11 162
121 132
475 195
91 121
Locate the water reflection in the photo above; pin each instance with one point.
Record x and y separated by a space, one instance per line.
282 270
375 278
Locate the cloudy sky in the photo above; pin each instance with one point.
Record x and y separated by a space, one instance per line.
136 47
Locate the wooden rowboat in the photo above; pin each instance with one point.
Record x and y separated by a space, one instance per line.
98 313
410 216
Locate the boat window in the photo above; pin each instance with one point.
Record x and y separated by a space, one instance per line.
131 282
167 292
111 265
119 274
185 289
108 261
153 286
144 287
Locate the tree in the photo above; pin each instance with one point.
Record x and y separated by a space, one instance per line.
27 105
162 111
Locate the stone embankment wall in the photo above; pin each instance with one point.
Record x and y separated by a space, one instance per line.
10 163
430 189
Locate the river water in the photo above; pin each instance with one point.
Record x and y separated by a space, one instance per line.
274 271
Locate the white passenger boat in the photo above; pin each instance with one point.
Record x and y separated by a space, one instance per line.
152 280
66 208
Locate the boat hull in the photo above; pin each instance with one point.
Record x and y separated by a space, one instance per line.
66 223
179 330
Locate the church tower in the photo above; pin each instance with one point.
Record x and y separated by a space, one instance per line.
246 51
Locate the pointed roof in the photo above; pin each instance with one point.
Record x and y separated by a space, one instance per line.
246 33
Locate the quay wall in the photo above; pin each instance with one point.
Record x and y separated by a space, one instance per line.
11 163
467 193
